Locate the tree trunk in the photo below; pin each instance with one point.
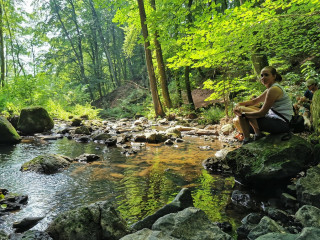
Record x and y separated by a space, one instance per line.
78 55
161 67
188 87
2 49
96 59
187 68
16 59
82 70
11 44
178 86
152 78
259 61
104 44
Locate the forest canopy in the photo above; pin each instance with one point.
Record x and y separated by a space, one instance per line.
68 55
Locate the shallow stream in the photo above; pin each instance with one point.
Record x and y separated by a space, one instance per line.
138 184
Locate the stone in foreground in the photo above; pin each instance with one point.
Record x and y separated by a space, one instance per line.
190 223
96 221
270 160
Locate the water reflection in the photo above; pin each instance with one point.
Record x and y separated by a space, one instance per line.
138 185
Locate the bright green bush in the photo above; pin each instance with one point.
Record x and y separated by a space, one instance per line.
213 115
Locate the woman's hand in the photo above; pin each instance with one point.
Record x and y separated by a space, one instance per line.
238 111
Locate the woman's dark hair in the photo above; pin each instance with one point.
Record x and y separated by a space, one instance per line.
274 72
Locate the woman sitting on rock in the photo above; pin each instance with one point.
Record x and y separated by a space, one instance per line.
265 119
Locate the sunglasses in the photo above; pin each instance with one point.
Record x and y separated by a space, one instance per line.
264 75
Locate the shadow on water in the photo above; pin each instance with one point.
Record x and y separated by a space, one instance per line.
138 184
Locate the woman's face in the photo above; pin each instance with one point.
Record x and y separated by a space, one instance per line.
267 78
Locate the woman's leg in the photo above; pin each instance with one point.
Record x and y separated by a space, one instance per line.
244 126
273 125
254 124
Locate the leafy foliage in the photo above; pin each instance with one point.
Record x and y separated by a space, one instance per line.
213 115
308 70
79 51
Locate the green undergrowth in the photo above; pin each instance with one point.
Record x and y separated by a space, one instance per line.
213 115
136 102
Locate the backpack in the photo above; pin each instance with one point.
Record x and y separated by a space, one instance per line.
296 123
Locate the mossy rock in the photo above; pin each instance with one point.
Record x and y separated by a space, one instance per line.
76 122
308 188
270 160
34 120
47 164
8 133
82 130
99 220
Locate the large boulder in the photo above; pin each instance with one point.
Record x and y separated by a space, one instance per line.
93 222
8 133
34 120
270 160
308 188
47 164
190 224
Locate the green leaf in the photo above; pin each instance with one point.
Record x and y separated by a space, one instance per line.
4 206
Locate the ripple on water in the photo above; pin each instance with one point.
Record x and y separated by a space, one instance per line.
138 184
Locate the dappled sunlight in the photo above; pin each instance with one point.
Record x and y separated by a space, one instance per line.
212 195
169 169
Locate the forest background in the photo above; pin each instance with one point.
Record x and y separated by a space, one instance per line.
70 55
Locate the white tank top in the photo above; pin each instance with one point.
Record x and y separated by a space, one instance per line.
282 105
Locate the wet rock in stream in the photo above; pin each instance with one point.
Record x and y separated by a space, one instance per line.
47 164
26 223
11 202
86 157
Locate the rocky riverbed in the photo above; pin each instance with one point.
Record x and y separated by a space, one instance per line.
284 176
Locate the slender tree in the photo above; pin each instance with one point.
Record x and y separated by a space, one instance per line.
76 46
152 78
187 68
104 44
161 65
2 59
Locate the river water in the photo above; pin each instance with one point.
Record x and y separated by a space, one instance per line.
138 184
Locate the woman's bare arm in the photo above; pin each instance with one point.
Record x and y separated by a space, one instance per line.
271 95
254 101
